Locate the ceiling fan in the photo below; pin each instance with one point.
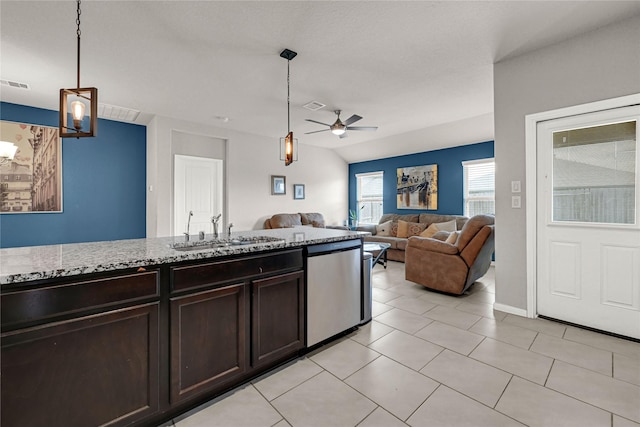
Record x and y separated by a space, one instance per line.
340 128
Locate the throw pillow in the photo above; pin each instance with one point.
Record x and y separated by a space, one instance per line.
394 229
402 228
439 226
383 229
447 226
453 237
408 229
430 231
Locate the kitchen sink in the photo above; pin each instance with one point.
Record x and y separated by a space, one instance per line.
224 243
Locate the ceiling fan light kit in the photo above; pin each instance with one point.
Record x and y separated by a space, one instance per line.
288 144
338 128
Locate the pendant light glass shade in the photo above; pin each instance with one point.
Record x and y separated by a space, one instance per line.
338 129
289 149
73 106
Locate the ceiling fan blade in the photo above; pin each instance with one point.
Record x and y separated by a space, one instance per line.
352 119
316 131
369 128
315 121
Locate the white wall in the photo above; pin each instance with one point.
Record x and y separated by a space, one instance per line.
250 161
599 65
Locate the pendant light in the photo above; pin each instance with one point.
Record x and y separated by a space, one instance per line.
288 144
74 102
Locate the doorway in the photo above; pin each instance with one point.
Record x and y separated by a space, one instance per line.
587 227
198 189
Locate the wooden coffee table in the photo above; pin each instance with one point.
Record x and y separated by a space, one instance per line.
378 250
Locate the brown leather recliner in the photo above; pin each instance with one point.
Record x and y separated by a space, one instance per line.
452 268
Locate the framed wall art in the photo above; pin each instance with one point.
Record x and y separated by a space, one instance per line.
298 191
32 180
278 185
417 187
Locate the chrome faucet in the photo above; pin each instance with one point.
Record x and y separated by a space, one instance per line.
186 233
230 225
214 221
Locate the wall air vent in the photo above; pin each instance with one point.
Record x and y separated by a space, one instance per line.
12 83
112 112
314 106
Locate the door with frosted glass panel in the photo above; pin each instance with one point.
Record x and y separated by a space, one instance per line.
588 228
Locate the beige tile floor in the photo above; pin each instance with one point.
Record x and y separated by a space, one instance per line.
429 359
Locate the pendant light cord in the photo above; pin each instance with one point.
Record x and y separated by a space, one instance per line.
78 33
288 99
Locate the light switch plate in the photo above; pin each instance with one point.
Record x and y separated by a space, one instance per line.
516 202
515 186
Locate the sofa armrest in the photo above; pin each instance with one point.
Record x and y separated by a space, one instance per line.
371 228
433 245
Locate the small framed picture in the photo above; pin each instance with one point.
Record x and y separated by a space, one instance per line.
298 191
278 185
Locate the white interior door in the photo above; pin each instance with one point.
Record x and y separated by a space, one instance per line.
588 231
198 188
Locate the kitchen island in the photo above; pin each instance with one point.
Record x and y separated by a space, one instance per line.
134 332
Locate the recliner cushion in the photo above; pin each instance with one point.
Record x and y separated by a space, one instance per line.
471 228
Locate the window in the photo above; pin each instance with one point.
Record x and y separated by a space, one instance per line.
594 174
369 195
479 187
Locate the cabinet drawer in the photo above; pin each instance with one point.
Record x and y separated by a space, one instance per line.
194 276
31 305
95 370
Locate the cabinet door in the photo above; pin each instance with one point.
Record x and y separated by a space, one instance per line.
277 318
93 370
209 333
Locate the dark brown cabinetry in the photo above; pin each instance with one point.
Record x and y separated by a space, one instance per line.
91 369
224 329
277 328
139 347
208 340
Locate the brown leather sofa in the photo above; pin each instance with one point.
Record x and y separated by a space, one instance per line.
452 267
396 251
285 220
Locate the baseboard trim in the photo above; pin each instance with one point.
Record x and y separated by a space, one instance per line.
510 309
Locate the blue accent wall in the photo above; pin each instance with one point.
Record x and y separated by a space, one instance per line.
103 186
450 176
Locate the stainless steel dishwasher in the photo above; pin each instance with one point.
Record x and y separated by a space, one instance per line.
334 296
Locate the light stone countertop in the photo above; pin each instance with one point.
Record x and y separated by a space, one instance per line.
24 264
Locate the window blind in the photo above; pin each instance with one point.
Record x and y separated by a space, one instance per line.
479 187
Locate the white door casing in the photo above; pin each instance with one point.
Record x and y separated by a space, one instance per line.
198 187
587 272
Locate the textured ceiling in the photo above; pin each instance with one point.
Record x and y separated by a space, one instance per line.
403 66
